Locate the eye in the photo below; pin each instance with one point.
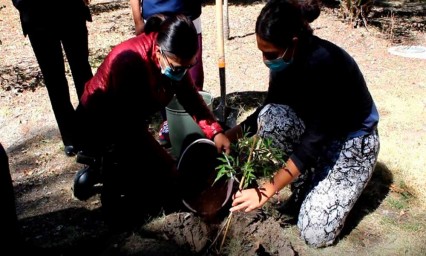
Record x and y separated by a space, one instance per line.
179 69
183 68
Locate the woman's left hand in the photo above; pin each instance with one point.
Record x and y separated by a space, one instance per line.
222 143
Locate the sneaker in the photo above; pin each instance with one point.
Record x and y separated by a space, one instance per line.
163 135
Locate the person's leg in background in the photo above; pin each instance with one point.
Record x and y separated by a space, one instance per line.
197 71
76 47
9 221
48 51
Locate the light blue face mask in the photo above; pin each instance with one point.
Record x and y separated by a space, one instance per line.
173 75
279 63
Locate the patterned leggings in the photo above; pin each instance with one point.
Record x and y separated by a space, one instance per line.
330 190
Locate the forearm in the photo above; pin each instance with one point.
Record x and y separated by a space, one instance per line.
135 5
282 178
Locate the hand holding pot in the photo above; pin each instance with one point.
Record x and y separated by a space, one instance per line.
222 143
234 133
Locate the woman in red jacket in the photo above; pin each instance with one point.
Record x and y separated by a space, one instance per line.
137 79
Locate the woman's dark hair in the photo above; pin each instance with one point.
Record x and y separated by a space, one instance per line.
281 20
176 34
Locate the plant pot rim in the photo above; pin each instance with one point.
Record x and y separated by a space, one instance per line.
230 182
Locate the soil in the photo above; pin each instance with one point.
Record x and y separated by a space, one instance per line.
43 176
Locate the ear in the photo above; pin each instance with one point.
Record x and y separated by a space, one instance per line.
157 52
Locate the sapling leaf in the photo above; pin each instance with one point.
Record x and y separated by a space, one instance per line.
254 158
265 160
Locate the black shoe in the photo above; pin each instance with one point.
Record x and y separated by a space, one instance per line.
88 159
84 183
70 150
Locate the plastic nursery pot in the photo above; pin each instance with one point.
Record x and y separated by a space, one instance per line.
197 169
181 124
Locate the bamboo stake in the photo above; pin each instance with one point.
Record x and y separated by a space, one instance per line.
229 218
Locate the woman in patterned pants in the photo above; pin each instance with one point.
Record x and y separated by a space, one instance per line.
329 191
319 112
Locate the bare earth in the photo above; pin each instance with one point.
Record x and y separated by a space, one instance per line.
388 220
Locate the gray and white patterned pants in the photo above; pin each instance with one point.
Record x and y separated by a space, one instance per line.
332 187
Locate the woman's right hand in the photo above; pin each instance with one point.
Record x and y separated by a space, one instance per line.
222 143
234 133
248 200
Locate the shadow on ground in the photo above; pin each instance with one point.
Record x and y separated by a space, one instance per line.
72 231
376 191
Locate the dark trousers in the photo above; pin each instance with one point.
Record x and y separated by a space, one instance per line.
139 179
8 221
47 45
197 71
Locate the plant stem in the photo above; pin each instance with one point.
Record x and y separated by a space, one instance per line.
227 224
240 188
251 150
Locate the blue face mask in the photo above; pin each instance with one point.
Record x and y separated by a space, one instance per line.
279 63
173 75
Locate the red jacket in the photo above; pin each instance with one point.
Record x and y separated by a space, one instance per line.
128 87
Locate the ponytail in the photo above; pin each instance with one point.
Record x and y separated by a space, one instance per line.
310 10
281 20
153 23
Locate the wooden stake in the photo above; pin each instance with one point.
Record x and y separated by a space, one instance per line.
229 218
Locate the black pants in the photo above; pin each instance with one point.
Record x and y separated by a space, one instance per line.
8 221
47 45
139 179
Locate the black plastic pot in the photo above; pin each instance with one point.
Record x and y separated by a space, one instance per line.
197 170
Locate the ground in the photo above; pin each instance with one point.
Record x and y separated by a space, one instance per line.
389 218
